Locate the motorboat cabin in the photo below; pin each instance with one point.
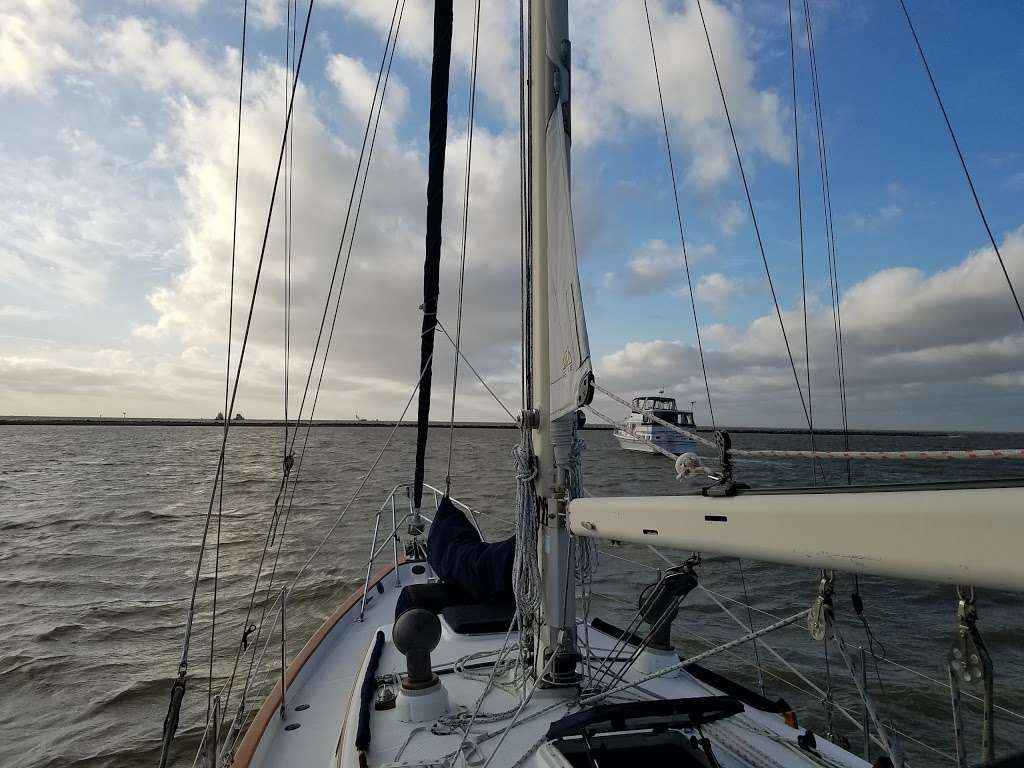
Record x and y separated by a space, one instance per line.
642 430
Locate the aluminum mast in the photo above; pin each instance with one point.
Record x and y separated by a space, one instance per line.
548 91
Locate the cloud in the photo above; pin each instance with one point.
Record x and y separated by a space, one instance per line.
36 37
15 312
498 67
872 221
716 289
731 219
657 266
74 213
356 86
917 348
152 191
614 85
383 285
160 59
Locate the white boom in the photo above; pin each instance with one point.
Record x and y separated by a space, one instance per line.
965 536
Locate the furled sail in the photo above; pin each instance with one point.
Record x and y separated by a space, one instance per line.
439 76
571 372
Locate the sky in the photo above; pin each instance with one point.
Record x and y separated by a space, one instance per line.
117 165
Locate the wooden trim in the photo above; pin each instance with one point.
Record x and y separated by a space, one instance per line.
258 726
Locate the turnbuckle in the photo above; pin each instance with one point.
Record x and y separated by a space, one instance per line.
819 620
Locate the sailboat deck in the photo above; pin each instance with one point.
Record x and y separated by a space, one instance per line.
322 705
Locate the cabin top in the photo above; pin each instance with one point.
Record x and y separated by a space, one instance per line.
662 407
654 403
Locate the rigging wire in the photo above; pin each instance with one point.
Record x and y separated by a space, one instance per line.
227 367
679 214
348 259
171 721
800 219
382 77
963 161
753 215
465 232
476 373
362 483
830 235
360 172
340 518
750 626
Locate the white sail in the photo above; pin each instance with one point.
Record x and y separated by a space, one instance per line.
569 350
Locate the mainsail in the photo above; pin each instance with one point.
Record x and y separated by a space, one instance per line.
569 351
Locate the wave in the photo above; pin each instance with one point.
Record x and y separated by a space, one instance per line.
60 632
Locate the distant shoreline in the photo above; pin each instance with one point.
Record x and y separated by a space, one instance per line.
103 421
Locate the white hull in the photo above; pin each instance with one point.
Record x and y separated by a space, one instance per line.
665 439
328 674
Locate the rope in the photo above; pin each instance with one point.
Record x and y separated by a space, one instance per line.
964 455
830 234
525 568
679 215
753 215
522 706
963 161
800 219
586 547
456 720
586 700
465 231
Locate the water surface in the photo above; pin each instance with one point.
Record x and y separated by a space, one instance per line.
100 530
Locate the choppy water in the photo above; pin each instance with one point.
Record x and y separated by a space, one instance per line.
100 526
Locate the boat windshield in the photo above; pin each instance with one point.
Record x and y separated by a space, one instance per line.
654 403
663 408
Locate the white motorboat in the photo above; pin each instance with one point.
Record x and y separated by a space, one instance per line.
640 431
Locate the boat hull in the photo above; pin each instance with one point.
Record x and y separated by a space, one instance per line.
671 441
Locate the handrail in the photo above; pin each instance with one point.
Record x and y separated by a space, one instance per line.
375 550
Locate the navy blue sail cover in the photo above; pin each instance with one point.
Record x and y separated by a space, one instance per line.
459 557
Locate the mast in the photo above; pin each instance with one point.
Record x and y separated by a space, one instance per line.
552 437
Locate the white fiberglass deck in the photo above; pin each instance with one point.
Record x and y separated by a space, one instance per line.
323 701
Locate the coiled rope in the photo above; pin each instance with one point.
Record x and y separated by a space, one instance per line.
525 568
